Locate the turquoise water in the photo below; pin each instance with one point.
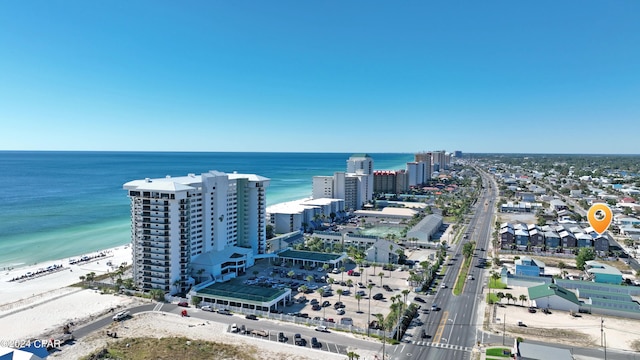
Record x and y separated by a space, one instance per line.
61 204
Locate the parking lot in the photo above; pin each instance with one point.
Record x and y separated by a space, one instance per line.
391 284
290 339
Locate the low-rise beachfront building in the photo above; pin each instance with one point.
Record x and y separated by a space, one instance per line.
284 241
383 252
213 221
304 214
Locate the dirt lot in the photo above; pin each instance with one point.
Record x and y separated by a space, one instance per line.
560 326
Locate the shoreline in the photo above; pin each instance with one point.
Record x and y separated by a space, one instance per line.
22 288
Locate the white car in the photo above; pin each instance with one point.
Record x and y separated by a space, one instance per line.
322 328
206 308
340 312
121 315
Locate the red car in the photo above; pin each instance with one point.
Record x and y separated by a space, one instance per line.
183 304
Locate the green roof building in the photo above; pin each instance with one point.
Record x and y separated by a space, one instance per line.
552 296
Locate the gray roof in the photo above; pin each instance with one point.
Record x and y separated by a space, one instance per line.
543 352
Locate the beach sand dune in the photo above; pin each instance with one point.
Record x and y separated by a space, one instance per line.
160 325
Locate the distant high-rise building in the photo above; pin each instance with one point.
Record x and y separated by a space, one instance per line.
355 186
457 154
216 219
390 181
424 157
439 160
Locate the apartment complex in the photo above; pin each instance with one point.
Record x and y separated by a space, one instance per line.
211 224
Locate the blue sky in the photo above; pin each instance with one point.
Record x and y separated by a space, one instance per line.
320 76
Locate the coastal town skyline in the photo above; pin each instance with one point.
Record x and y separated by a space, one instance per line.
486 78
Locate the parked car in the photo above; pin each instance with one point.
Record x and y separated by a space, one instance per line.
316 307
532 310
183 304
326 303
443 286
282 337
313 301
206 308
419 299
251 317
387 287
346 321
378 296
299 340
340 311
338 305
315 343
224 312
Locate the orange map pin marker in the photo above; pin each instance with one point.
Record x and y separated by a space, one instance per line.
599 216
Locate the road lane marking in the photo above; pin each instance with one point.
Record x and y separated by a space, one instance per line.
440 330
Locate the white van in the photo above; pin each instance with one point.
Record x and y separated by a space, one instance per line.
234 328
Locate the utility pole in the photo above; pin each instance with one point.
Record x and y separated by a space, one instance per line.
504 327
602 332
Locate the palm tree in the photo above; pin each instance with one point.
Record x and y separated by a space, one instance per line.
500 296
291 274
331 280
342 269
309 278
349 283
380 318
405 293
358 298
326 267
381 274
156 294
522 298
83 278
339 292
509 297
369 286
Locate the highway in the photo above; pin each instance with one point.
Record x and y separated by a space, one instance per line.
454 329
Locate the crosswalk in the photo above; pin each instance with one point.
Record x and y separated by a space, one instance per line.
441 345
158 307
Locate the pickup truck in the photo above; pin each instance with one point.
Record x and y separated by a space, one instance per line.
260 332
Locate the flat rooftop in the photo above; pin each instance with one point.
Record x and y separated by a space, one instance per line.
309 255
237 290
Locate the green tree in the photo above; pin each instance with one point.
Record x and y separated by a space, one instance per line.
339 292
342 269
369 287
584 254
509 297
303 289
196 300
381 274
157 294
325 267
291 274
500 295
523 298
358 298
309 278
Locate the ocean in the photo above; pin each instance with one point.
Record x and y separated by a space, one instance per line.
55 205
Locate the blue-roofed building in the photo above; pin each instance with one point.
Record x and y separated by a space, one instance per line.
529 267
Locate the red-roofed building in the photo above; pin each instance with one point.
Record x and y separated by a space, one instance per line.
628 200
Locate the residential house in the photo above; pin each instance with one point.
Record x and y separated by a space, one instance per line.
584 240
568 240
522 238
551 240
601 244
507 238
